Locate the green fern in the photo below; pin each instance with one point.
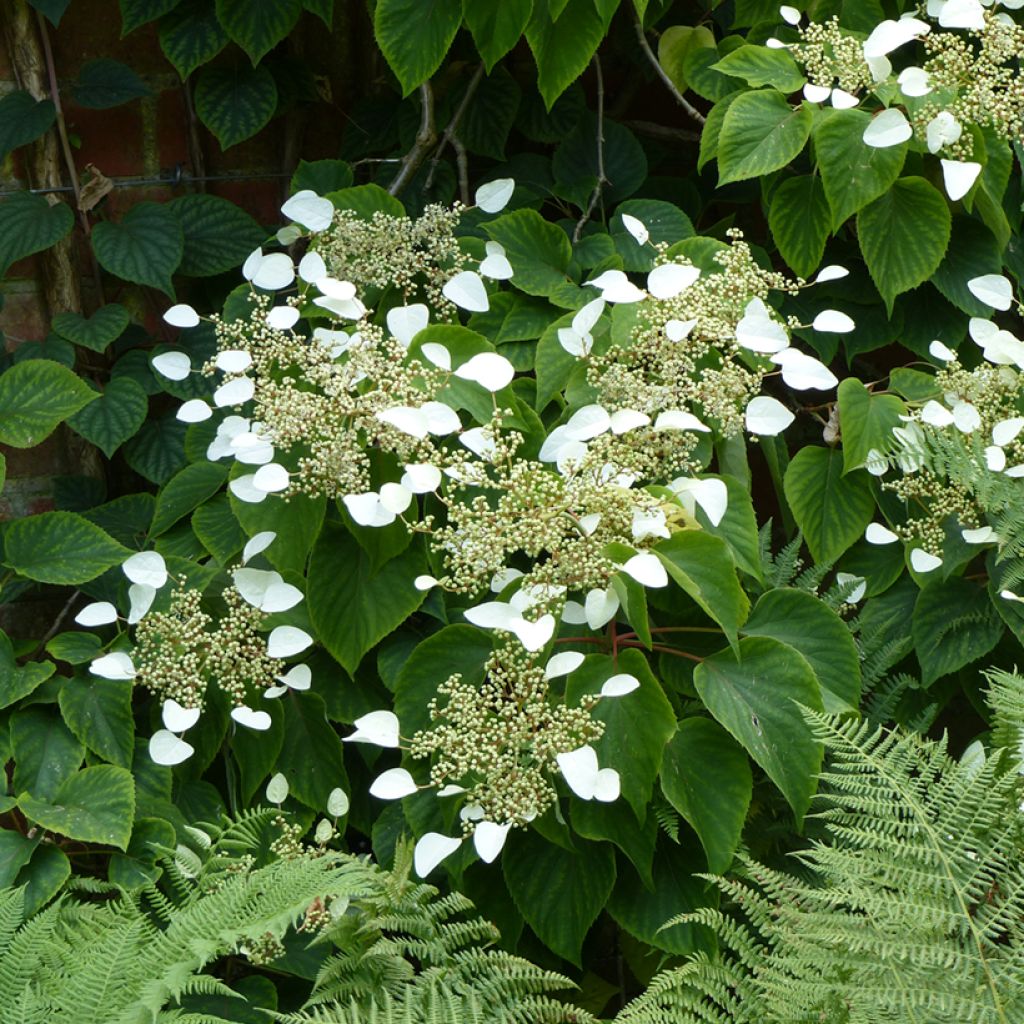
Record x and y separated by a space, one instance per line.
912 912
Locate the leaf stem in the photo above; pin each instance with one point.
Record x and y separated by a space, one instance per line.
645 46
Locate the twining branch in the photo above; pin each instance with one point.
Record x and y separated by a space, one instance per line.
450 137
426 137
690 109
601 179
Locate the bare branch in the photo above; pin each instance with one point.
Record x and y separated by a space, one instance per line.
425 139
662 74
601 179
662 131
449 135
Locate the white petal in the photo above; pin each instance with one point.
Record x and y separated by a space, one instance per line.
936 415
234 392
437 354
343 309
534 635
242 488
831 321
252 449
273 692
195 410
260 721
942 130
337 803
995 458
281 318
424 582
994 290
889 35
393 785
378 727
1006 430
941 352
284 641
312 267
962 14
439 418
712 495
340 291
757 330
116 665
619 685
767 416
177 718
492 615
252 264
983 535
275 271
677 330
833 272
257 543
405 418
923 562
496 267
172 365
99 613
607 785
889 128
140 598
587 423
616 287
271 478
579 769
489 370
146 567
859 590
914 82
466 290
679 419
670 279
966 417
421 477
167 749
789 14
803 372
574 613
637 228
493 196
649 523
587 316
277 789
843 100
625 420
431 849
563 664
647 569
816 93
480 442
600 607
182 315
876 533
489 839
405 322
288 234
395 498
574 343
309 210
959 177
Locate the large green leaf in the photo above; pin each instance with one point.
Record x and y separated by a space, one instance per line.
414 36
488 119
761 133
706 777
52 9
23 119
832 510
184 492
34 397
954 625
95 805
575 164
559 892
60 547
458 649
258 25
563 48
674 45
373 604
139 12
138 866
973 251
105 83
866 421
757 66
115 416
99 712
809 626
235 102
755 694
157 451
218 234
96 332
321 176
637 726
496 27
45 751
676 889
617 823
703 566
801 221
538 250
853 173
296 522
311 756
192 35
218 529
29 224
146 246
17 681
903 236
44 876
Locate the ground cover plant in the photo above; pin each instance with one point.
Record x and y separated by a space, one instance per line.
569 566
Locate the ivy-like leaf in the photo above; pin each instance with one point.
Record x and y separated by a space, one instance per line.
35 396
105 83
258 25
218 235
192 35
145 247
22 120
538 250
29 224
866 421
414 36
757 66
235 102
140 12
115 416
99 712
96 332
184 491
496 27
60 547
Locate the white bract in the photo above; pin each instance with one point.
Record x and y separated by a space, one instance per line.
284 641
994 290
177 718
711 495
616 287
620 685
831 321
430 850
489 370
495 264
116 665
489 839
309 210
914 81
182 315
583 776
405 322
379 728
172 365
876 533
671 279
277 789
942 130
889 128
393 785
266 590
924 562
99 613
577 340
959 177
259 721
757 330
146 567
337 803
767 416
493 196
646 569
563 664
637 228
466 290
168 750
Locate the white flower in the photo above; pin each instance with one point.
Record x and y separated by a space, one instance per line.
259 721
767 417
757 330
580 770
430 850
600 607
942 130
671 279
309 210
711 495
284 641
923 562
489 839
616 287
270 273
378 727
563 664
172 365
994 290
116 665
405 322
495 264
489 370
177 718
889 128
959 177
466 290
146 567
493 196
168 750
99 613
646 569
266 590
393 785
577 340
182 315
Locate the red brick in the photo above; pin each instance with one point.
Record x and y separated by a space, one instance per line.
172 129
23 317
110 139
